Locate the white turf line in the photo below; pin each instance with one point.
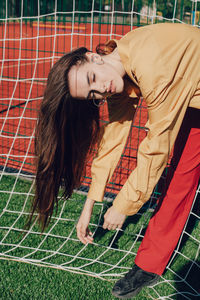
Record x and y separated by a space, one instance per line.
29 64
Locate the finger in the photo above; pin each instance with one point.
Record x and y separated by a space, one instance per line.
81 238
114 227
105 225
111 227
108 226
89 234
119 226
81 235
84 237
89 239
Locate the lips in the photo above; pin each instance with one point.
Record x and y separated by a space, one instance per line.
111 88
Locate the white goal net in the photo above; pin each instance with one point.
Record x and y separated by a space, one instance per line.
32 37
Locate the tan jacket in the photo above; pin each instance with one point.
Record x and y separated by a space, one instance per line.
163 60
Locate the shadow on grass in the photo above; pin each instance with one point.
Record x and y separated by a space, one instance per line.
190 284
135 219
187 280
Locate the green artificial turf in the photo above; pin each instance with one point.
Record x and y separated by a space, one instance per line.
20 280
24 281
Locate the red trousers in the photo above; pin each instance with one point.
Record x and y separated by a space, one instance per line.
167 223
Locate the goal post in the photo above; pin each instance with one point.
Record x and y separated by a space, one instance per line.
33 35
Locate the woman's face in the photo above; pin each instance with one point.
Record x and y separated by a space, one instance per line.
95 78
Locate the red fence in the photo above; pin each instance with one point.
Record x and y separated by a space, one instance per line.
27 53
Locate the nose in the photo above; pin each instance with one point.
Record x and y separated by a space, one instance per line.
101 88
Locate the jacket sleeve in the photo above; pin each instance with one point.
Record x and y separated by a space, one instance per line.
114 136
164 122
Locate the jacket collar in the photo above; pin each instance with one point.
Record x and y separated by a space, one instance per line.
133 89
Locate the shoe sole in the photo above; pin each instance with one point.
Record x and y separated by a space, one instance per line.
136 292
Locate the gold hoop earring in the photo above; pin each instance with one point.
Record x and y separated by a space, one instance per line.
99 103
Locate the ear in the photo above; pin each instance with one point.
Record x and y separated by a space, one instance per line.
94 58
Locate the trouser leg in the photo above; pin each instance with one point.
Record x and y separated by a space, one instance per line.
166 225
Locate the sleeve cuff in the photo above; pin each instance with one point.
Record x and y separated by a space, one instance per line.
127 207
96 192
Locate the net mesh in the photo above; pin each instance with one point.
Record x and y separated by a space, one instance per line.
32 37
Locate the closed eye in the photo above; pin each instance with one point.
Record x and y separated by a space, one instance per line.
90 78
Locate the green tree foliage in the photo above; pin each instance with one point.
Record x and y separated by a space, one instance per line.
31 8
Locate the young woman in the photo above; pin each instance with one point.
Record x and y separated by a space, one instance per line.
161 63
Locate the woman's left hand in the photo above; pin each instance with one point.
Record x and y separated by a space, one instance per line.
113 219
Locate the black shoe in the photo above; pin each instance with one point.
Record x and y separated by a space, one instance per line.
132 283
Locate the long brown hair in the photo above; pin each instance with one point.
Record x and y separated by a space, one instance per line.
66 132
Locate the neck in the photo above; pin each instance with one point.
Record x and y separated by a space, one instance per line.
115 61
